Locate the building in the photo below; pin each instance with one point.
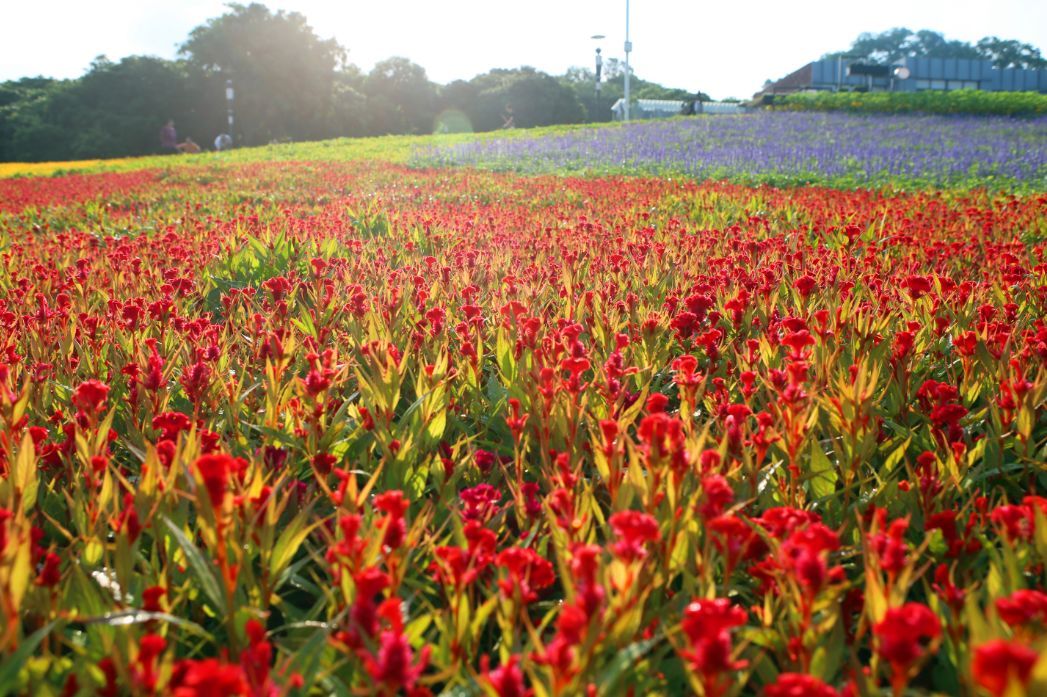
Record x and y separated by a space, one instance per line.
664 108
908 75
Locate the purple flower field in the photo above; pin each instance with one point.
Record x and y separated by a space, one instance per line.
828 148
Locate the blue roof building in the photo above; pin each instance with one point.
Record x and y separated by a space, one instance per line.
909 75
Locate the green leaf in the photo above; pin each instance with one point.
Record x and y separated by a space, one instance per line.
306 660
289 541
896 455
823 473
200 565
10 668
624 661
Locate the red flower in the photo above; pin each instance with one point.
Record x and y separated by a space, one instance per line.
393 667
207 678
151 598
507 680
479 502
901 633
999 664
216 471
805 555
1023 607
394 505
716 495
805 284
149 649
89 397
707 625
51 573
528 573
798 685
171 423
634 529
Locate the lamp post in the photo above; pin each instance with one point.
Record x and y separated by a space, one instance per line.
229 104
599 64
628 48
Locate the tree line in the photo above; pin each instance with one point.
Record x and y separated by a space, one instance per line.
289 84
895 44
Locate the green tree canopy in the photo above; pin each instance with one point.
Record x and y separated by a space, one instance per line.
283 74
400 98
535 99
895 44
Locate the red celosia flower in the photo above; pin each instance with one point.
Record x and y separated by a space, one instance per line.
207 678
170 424
89 397
901 633
716 495
664 440
805 284
798 685
804 555
216 471
1023 607
1015 522
151 598
394 505
51 573
461 567
479 502
394 667
707 625
507 680
890 548
633 529
1000 664
255 659
528 573
149 649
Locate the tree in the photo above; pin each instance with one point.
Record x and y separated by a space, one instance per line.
582 82
400 98
283 74
114 110
895 44
1010 53
536 99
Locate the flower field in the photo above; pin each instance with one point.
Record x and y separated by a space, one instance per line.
786 148
361 428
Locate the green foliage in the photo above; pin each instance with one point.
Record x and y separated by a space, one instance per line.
931 102
290 85
401 99
898 43
283 73
535 98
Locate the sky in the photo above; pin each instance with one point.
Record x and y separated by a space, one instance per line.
726 48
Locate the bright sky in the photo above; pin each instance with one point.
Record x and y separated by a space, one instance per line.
723 47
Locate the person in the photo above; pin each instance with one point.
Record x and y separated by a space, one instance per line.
169 137
223 141
188 147
507 117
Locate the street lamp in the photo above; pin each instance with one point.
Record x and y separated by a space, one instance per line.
599 64
229 104
628 48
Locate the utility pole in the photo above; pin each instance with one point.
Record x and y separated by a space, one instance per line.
229 104
628 48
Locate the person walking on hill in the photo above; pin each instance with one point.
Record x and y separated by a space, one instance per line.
169 137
